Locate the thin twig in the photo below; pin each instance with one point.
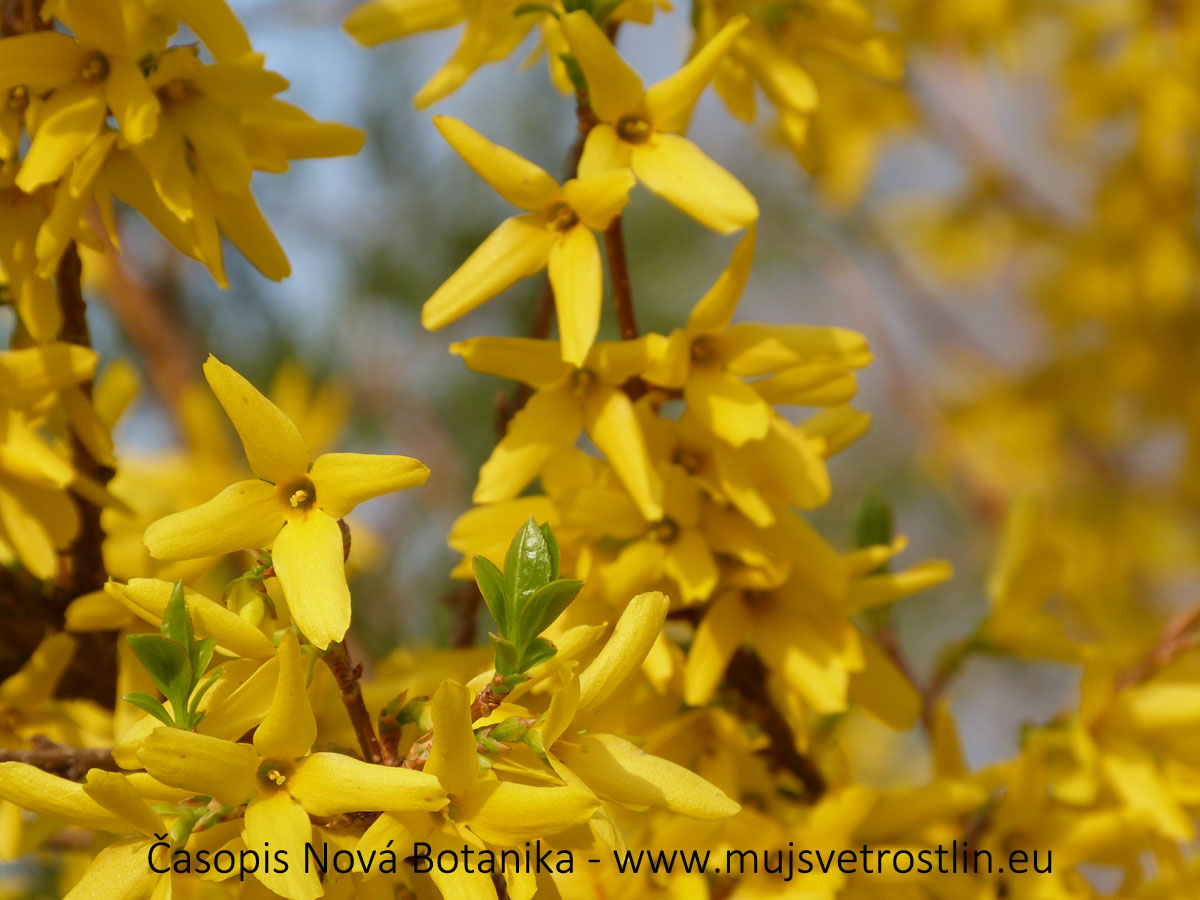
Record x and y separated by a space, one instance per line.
59 759
618 269
1178 637
347 676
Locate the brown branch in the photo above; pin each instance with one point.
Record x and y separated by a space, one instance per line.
618 269
1178 637
59 759
748 676
347 676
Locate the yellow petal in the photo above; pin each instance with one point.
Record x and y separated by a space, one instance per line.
877 590
274 447
884 690
690 562
718 637
276 819
613 425
679 172
599 198
344 480
385 20
513 177
518 248
328 784
751 349
149 597
727 406
73 118
603 151
715 309
671 100
40 61
631 640
308 559
507 813
563 706
452 757
118 872
244 516
549 422
290 727
32 372
202 764
578 285
118 796
458 883
614 89
47 795
536 363
243 223
133 104
804 660
618 770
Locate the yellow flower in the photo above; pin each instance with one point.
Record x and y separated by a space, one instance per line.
567 399
639 126
293 505
556 232
279 781
709 359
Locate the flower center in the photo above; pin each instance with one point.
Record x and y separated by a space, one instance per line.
176 90
18 98
704 350
563 217
95 69
582 381
688 459
299 492
275 773
634 129
664 531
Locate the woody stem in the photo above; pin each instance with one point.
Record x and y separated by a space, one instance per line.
347 676
58 759
618 268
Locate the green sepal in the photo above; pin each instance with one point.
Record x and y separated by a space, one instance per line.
148 704
491 585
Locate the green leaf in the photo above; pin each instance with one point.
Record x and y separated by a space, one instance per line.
168 664
202 652
507 659
552 548
526 569
538 651
198 694
545 606
146 703
573 5
176 622
491 584
874 524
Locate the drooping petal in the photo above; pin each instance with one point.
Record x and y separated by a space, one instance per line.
42 61
31 372
513 177
751 349
635 633
715 309
385 20
328 784
598 198
877 590
614 89
344 480
518 248
309 560
884 690
563 705
133 104
458 882
290 727
118 796
507 813
199 763
616 769
48 795
603 151
803 659
680 172
276 819
690 562
73 118
243 222
671 100
245 516
729 407
119 872
718 637
536 363
274 447
549 421
452 757
613 425
578 288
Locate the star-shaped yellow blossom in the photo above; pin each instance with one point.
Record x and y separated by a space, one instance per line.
639 127
279 781
709 359
293 505
566 400
556 232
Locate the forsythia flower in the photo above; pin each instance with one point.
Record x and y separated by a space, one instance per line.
293 506
556 233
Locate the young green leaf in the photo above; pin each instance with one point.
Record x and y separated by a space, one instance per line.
148 704
177 622
545 606
491 584
168 664
538 651
202 652
552 548
507 659
526 568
